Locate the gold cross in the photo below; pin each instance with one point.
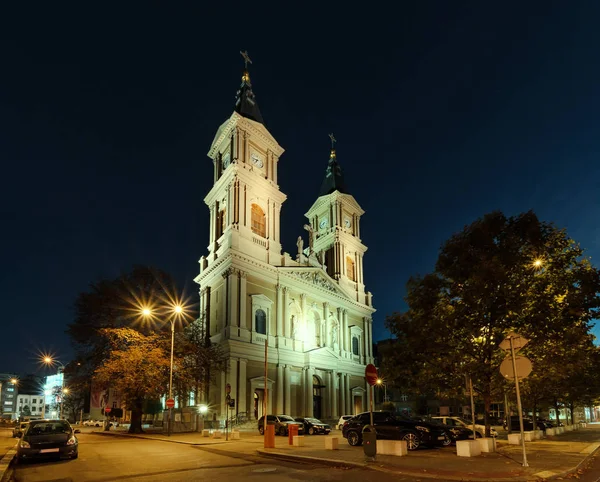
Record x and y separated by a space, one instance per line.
246 58
333 140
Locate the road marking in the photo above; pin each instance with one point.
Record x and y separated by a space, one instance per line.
265 469
546 474
590 448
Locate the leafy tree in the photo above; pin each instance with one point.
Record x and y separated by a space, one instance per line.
26 411
200 362
136 365
498 274
77 384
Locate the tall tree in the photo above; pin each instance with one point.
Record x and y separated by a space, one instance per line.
499 274
136 365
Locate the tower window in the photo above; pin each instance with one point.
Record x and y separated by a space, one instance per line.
355 345
259 224
350 268
260 320
222 222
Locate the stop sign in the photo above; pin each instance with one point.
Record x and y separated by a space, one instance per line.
107 409
170 403
371 374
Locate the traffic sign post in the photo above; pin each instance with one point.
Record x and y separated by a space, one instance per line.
170 403
514 342
107 409
369 434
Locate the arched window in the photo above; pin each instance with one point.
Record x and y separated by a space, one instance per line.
259 224
355 345
260 320
221 222
350 268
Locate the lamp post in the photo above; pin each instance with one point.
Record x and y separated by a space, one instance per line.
177 312
64 391
381 382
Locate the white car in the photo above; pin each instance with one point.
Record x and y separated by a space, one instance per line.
93 423
342 420
459 422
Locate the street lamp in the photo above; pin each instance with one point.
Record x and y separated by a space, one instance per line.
51 361
64 391
177 312
381 382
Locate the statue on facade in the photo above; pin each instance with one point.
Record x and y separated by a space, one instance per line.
300 244
294 327
334 334
311 240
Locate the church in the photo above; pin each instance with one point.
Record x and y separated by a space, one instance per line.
303 320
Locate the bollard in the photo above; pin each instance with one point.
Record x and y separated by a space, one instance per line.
269 442
292 432
369 436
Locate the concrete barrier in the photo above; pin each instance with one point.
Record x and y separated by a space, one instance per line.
560 430
551 432
331 443
298 440
487 444
569 428
538 434
206 433
392 447
217 434
467 448
529 436
514 438
235 435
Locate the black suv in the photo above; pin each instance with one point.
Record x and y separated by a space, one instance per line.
394 427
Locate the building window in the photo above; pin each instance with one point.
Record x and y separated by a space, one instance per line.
260 319
221 222
259 224
350 268
33 409
33 400
355 345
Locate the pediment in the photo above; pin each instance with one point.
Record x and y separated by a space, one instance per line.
316 277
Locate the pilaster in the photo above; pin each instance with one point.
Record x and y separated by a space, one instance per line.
287 390
280 386
242 400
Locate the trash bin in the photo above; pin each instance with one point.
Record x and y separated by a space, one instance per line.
369 437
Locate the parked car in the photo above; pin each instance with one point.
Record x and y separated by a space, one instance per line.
455 433
515 424
390 426
19 429
314 425
281 422
48 438
343 419
95 423
460 422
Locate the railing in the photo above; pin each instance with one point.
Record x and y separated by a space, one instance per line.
260 241
239 419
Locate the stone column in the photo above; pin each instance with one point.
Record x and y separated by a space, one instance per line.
242 400
287 390
349 400
342 334
221 394
286 315
280 385
309 392
233 381
326 338
334 398
303 392
371 340
243 318
232 309
279 325
329 406
343 394
348 341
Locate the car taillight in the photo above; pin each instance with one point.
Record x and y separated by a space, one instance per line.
345 423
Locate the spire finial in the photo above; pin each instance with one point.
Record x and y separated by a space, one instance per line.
333 141
246 76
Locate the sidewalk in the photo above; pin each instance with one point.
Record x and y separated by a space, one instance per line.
548 458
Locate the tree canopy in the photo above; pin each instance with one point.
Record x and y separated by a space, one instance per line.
498 274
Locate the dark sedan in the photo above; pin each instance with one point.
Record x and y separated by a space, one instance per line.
390 426
46 439
314 425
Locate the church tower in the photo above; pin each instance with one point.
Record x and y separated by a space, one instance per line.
245 200
335 220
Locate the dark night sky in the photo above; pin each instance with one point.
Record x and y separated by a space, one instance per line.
443 111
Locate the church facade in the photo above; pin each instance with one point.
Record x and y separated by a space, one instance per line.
310 309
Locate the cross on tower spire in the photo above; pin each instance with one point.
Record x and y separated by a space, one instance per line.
247 60
333 141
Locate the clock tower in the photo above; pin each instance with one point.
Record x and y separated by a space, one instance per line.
245 200
335 220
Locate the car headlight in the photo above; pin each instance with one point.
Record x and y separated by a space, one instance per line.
25 445
421 428
72 440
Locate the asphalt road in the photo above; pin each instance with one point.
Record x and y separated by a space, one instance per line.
107 459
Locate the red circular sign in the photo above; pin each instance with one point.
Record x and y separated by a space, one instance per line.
107 409
170 403
371 374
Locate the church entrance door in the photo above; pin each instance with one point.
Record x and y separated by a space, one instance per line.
317 398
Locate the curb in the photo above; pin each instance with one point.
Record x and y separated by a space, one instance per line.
6 461
430 475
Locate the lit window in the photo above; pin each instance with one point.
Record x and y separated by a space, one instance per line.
33 409
259 224
260 319
355 345
33 400
350 268
222 222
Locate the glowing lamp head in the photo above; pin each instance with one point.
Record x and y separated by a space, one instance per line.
47 359
14 381
537 263
146 312
65 390
379 381
178 309
203 409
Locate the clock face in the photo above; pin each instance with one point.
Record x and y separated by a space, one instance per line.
347 222
257 160
323 223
